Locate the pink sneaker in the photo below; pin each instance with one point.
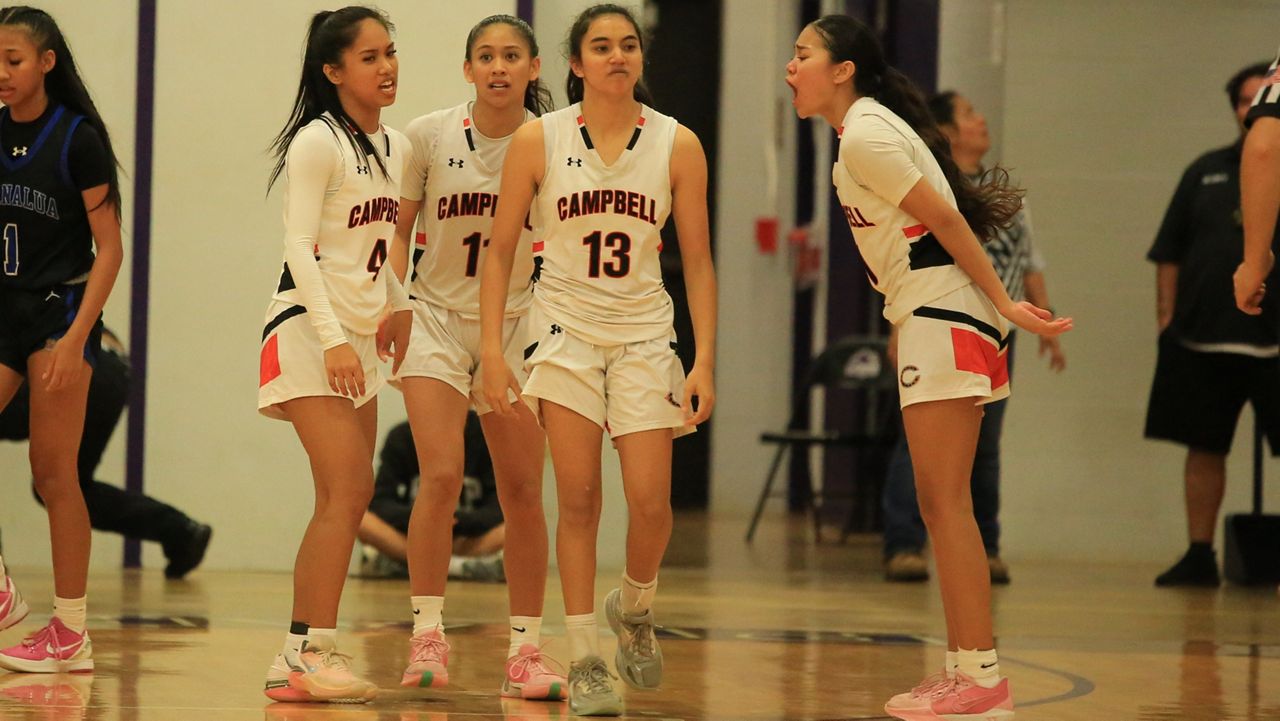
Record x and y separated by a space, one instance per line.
312 675
529 676
428 660
53 649
12 608
957 699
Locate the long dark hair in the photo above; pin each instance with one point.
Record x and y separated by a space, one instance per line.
988 204
537 97
330 33
573 49
63 84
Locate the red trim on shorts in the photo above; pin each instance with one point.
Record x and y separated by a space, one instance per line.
974 354
269 363
915 231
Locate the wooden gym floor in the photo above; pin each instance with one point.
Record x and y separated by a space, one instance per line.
783 629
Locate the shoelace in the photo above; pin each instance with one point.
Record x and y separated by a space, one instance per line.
643 634
926 687
536 663
335 659
596 678
45 635
429 648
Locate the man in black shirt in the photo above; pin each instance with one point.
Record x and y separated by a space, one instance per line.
111 508
478 530
1212 358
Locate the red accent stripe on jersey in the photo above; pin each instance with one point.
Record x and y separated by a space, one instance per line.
975 354
659 246
269 363
640 122
466 122
537 246
915 231
581 120
421 239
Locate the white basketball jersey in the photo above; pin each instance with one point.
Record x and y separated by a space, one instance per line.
881 159
600 278
357 221
456 220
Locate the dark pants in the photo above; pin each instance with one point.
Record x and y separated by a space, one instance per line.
904 530
111 508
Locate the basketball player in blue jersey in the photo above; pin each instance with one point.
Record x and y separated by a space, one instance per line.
603 175
319 365
451 190
59 200
918 220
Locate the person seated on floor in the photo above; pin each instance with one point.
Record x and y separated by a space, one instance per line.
477 523
111 508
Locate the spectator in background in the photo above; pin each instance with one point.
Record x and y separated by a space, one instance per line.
478 535
132 515
1021 269
1211 358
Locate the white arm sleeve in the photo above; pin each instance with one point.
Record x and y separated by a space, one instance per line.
878 157
310 164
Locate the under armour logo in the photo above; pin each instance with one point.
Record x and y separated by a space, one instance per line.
362 170
455 162
574 163
19 150
556 329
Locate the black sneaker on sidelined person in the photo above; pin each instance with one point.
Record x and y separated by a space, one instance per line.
186 554
1198 567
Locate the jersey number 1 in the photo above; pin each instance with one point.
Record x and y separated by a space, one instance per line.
11 249
474 243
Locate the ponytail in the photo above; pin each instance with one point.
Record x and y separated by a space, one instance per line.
63 84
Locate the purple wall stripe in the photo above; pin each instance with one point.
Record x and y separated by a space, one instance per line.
140 293
524 11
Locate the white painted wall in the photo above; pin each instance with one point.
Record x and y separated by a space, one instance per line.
1105 104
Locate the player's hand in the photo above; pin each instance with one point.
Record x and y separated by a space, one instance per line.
1250 284
1053 347
68 363
345 372
393 337
1037 320
497 381
700 384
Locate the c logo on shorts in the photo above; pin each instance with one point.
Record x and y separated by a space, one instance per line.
909 380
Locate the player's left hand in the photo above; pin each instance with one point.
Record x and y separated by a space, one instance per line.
1027 316
68 363
393 337
701 384
1053 347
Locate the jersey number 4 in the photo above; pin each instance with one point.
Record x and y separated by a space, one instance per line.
11 249
377 258
616 266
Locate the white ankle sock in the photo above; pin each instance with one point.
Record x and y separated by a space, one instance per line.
584 638
952 663
981 666
428 613
322 639
637 597
524 629
72 611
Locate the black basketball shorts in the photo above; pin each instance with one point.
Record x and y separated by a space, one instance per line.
31 320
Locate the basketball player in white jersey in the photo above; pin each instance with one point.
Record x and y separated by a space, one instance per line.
910 210
319 358
452 191
606 172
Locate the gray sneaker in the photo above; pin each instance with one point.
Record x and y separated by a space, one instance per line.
591 689
483 568
639 659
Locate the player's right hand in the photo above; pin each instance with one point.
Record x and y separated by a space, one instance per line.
1250 284
345 372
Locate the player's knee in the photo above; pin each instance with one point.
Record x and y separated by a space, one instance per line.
54 474
581 510
649 511
442 486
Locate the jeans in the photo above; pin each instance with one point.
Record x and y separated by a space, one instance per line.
904 530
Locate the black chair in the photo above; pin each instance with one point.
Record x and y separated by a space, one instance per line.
859 363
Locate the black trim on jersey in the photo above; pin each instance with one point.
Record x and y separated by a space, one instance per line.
955 316
634 137
284 315
471 143
529 351
927 252
286 280
39 142
386 139
586 137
